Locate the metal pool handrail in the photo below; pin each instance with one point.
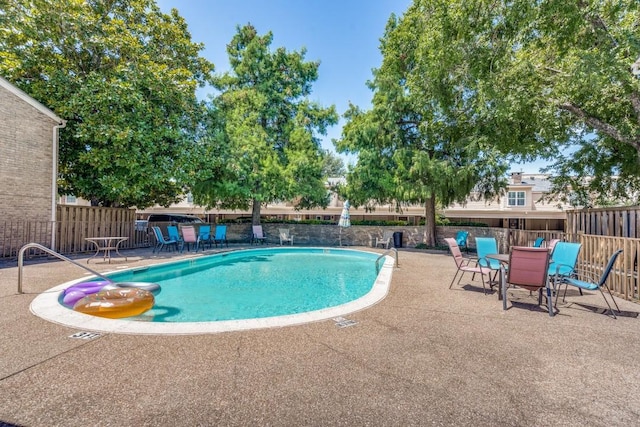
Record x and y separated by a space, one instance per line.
55 254
385 253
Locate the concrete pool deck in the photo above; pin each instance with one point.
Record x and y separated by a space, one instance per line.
425 355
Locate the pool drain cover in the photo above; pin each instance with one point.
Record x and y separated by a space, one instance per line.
341 322
85 335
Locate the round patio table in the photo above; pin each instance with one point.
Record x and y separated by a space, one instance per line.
106 245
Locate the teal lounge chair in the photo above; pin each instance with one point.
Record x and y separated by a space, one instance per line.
204 235
590 283
461 240
162 241
563 260
488 246
174 234
221 236
538 242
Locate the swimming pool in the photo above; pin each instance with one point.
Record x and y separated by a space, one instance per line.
258 309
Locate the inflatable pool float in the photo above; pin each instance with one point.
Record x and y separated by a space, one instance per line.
154 288
116 303
75 293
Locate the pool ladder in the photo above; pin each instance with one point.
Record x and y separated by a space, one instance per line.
385 253
55 254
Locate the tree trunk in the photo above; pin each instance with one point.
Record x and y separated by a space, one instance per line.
430 221
255 212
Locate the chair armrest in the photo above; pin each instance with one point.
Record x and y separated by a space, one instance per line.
484 262
557 266
469 260
583 275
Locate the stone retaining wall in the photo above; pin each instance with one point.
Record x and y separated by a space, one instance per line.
359 235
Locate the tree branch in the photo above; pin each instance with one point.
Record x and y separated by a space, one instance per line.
597 22
601 126
635 102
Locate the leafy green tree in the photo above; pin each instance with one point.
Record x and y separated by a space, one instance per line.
124 76
582 72
412 146
262 144
333 165
554 79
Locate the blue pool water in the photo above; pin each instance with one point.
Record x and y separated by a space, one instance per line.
255 283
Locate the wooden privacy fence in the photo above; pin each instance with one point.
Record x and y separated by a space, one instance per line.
617 222
75 223
526 237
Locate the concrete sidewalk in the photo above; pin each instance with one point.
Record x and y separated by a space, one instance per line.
425 355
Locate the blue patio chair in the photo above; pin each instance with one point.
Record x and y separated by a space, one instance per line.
204 235
591 283
538 242
461 240
162 241
563 261
221 236
174 234
488 246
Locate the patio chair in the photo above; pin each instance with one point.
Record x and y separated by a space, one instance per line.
563 261
488 246
258 235
461 240
174 234
285 236
528 269
463 264
221 236
590 282
204 235
538 242
385 240
189 236
161 240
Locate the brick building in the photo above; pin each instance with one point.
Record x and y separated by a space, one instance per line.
28 157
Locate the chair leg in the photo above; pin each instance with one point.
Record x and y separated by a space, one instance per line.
540 296
609 305
503 285
549 300
454 278
484 288
460 278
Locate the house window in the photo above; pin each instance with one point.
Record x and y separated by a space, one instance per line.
71 199
516 198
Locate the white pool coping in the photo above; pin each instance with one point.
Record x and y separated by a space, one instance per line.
47 306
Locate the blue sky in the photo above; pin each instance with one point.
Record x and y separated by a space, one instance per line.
343 35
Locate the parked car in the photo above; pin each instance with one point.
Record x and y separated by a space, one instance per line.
174 218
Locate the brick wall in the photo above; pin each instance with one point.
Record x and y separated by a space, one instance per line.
26 160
